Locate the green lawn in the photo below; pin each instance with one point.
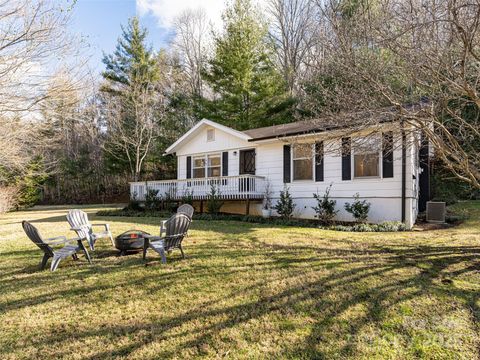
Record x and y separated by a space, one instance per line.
245 291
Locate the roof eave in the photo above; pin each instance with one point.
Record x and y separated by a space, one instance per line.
172 148
312 132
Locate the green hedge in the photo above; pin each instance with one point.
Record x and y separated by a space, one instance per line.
133 213
387 226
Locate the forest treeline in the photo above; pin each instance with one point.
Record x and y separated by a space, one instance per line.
69 136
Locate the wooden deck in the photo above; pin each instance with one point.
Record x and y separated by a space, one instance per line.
241 187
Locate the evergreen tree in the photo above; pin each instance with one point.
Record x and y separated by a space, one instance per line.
133 99
285 206
132 62
249 92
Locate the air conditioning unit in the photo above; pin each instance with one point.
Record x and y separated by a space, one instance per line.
436 211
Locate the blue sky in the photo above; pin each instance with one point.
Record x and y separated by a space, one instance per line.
99 21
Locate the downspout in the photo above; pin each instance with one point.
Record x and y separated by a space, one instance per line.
404 170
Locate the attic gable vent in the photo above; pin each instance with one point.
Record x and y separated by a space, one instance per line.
436 211
210 134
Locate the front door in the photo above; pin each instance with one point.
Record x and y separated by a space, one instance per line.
247 166
247 162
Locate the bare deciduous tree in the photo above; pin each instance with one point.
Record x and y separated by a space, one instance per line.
133 125
394 53
190 43
294 32
15 141
71 140
34 45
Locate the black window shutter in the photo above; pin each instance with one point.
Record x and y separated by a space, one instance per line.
346 159
286 163
387 154
319 161
225 163
189 167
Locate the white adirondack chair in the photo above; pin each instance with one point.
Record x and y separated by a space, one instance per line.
70 247
172 233
79 223
186 209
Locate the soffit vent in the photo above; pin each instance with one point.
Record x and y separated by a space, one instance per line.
436 211
210 134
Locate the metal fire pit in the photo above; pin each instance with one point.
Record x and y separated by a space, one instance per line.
130 241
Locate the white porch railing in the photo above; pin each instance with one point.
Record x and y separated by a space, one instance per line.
229 187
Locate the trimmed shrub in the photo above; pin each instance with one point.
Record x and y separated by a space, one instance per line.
390 226
275 221
340 228
267 196
168 204
214 202
358 209
187 197
133 213
363 227
134 204
325 209
152 200
285 205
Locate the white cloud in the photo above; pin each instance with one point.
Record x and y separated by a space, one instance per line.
166 10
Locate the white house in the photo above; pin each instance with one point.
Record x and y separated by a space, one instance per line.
385 165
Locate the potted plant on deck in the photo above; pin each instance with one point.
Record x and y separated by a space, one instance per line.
267 201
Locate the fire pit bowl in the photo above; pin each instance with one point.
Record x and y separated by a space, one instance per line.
131 240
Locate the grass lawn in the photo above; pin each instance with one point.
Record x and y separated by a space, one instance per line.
245 291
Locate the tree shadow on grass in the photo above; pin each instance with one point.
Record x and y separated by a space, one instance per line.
372 280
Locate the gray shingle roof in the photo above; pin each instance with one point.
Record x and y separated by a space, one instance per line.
315 126
344 120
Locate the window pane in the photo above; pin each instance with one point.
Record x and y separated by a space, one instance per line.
302 169
366 165
199 162
302 151
199 173
214 171
214 161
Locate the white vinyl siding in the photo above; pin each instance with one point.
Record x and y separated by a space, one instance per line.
383 194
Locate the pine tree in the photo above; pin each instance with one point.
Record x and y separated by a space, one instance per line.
132 62
132 99
249 91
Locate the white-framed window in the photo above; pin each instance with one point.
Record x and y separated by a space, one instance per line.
199 166
214 165
207 166
366 157
302 162
210 134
